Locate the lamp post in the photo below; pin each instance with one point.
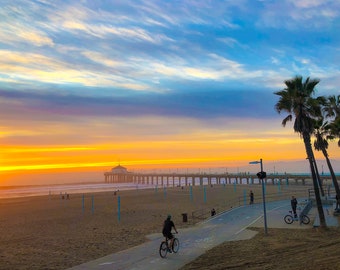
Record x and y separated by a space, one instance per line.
263 193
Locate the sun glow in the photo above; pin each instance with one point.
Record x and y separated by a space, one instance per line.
144 153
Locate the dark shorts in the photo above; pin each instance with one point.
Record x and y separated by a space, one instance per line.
168 235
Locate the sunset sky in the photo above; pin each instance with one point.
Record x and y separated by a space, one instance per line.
157 85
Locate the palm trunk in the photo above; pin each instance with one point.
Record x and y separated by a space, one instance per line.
310 155
319 138
335 181
318 177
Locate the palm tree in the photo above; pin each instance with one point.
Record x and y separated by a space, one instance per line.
328 131
332 110
296 99
322 135
335 129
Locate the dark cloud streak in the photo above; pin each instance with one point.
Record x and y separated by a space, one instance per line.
204 104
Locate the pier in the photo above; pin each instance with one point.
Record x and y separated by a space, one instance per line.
119 174
218 179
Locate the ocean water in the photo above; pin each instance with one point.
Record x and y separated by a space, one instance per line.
26 191
41 190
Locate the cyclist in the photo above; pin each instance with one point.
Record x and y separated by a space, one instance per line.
294 203
167 227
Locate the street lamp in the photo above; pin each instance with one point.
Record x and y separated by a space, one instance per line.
261 175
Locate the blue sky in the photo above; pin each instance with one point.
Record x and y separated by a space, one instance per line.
157 69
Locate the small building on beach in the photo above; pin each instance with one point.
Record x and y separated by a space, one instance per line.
118 174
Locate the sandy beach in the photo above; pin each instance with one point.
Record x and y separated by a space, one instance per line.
281 249
47 232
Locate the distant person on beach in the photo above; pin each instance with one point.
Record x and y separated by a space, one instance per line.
293 203
167 227
213 212
251 197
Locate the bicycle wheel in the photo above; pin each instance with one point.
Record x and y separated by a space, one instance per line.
163 249
288 219
175 245
305 219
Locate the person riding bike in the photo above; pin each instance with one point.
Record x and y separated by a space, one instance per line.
294 203
167 227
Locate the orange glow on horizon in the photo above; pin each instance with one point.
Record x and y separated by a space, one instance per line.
144 154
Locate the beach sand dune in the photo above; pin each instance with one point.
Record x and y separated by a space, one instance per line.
47 232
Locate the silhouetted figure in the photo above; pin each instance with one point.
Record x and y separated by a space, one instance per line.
251 197
294 203
337 207
167 227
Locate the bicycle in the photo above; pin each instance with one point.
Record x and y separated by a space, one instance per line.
289 219
164 247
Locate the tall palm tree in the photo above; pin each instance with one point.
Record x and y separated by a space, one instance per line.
329 131
297 100
322 135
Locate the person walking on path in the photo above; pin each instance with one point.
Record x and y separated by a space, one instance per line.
251 197
294 203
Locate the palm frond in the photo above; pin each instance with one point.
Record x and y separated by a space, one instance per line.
287 119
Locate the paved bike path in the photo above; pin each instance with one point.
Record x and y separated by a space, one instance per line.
227 226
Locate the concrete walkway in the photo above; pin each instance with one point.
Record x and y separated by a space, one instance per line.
228 226
331 220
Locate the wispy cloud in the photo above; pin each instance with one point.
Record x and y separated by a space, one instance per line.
300 14
16 27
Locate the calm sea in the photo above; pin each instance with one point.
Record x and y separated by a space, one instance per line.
26 191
